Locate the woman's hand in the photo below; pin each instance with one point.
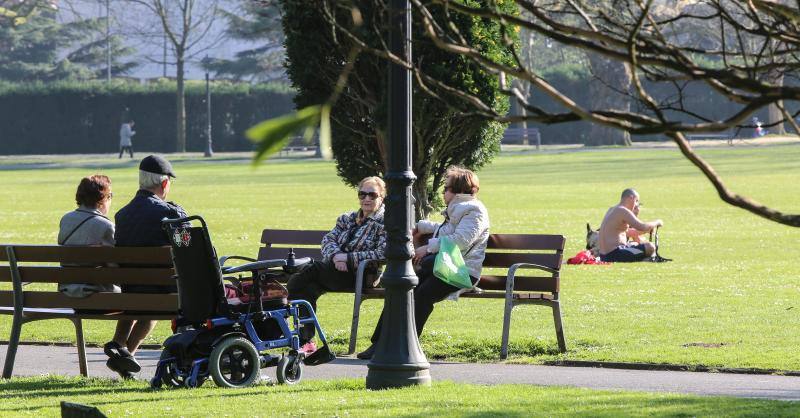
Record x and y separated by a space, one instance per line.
419 253
340 261
340 265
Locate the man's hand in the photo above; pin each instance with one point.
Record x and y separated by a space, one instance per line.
419 253
658 223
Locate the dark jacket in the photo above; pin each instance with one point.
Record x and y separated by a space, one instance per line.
139 222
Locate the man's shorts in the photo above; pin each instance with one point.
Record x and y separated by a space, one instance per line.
625 254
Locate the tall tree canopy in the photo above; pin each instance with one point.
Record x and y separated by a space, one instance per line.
256 22
44 49
745 52
321 36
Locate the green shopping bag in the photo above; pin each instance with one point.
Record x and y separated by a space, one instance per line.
449 265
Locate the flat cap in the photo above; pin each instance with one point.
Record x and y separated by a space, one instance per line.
156 165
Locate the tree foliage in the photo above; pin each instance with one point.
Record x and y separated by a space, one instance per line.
745 52
257 23
43 49
320 36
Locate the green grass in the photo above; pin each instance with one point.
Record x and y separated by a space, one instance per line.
41 397
728 300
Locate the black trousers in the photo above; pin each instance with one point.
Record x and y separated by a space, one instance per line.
123 148
429 291
315 280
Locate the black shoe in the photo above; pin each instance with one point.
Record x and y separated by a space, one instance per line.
367 354
124 374
120 359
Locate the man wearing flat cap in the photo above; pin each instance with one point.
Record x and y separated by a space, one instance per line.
138 224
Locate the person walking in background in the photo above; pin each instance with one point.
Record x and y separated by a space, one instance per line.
126 132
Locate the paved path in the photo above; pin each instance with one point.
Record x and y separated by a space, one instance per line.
37 360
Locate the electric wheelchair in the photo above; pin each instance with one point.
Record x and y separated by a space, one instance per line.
226 338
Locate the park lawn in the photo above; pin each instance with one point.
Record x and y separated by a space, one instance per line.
730 298
41 396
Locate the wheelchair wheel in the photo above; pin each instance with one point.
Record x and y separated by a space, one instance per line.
290 369
170 377
234 363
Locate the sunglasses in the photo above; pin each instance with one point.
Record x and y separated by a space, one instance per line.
110 196
363 195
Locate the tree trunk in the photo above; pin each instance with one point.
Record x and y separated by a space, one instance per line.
180 140
774 113
612 79
422 203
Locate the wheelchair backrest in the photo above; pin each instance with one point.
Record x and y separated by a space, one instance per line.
200 287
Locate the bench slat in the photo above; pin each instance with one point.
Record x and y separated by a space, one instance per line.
521 283
100 301
526 242
507 259
96 275
292 237
99 255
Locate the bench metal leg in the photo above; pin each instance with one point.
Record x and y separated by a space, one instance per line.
354 325
562 342
81 347
13 343
509 306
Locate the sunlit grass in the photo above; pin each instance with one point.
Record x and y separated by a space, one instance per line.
729 298
41 397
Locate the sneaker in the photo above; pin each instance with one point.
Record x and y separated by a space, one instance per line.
308 348
367 354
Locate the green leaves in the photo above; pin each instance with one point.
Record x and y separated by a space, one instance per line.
273 134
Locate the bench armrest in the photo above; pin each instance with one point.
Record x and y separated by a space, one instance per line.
512 273
362 266
225 258
263 265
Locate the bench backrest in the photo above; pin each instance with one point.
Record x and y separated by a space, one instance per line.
115 265
278 241
503 250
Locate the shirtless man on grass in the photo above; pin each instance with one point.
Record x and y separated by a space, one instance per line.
614 231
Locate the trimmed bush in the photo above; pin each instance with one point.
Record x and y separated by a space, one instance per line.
66 118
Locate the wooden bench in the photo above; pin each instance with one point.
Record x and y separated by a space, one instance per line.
35 264
522 136
298 144
509 252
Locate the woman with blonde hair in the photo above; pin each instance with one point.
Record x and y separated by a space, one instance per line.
357 236
466 223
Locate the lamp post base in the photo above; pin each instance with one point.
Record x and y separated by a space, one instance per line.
385 376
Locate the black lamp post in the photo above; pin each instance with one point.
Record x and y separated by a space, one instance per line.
398 359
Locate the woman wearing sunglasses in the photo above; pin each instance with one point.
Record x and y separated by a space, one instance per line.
357 236
466 223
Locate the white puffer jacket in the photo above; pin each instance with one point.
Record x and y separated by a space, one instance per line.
467 224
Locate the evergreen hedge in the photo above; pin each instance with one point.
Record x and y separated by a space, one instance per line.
66 118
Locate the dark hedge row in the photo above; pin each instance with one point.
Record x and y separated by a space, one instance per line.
697 97
66 119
